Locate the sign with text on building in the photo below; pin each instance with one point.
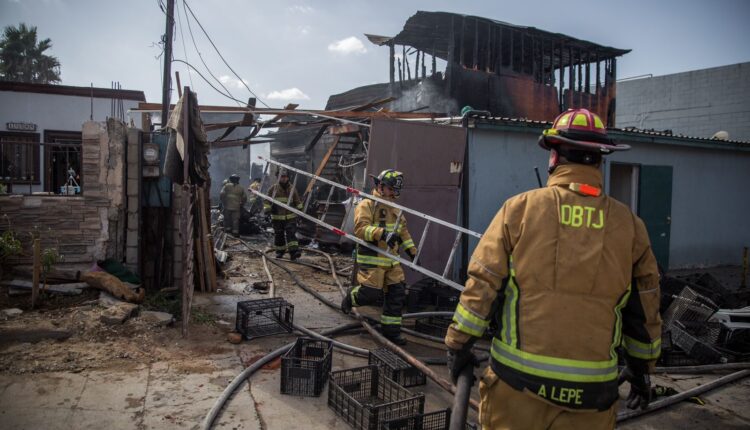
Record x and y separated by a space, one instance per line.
20 126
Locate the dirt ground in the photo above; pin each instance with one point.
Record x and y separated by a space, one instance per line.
161 373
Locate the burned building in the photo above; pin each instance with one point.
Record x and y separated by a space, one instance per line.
508 70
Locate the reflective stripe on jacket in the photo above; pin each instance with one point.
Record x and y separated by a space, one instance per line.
282 195
571 277
372 222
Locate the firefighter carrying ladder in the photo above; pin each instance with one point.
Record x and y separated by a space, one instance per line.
353 192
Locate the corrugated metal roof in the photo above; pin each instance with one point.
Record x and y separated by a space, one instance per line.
523 122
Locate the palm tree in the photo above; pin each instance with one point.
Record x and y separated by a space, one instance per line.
22 59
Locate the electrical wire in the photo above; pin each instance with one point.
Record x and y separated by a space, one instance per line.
182 39
195 45
206 80
221 56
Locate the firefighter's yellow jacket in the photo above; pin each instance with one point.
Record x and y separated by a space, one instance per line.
287 195
568 275
372 223
232 196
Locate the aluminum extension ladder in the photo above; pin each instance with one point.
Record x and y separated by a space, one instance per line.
443 278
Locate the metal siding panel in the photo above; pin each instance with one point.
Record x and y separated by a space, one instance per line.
424 153
501 165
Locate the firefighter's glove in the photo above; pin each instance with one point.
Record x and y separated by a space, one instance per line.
459 359
640 387
391 239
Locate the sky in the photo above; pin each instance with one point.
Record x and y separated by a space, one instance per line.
301 51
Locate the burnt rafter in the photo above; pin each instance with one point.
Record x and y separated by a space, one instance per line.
517 64
431 32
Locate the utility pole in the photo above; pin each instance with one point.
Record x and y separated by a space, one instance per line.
167 81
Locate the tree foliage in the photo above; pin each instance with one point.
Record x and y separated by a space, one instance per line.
22 58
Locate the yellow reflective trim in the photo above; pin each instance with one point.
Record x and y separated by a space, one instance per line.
389 320
598 122
467 322
353 295
553 367
408 244
638 349
617 339
375 261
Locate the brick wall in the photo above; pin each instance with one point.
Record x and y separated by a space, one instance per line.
84 228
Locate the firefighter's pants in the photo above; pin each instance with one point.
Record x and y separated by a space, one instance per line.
393 298
284 235
232 221
501 407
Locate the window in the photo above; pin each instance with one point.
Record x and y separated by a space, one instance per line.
63 161
623 184
20 158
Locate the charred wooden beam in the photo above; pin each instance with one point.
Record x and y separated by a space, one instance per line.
416 67
424 67
475 57
392 65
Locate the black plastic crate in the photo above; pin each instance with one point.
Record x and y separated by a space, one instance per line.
264 317
694 347
438 420
433 326
364 397
395 368
305 367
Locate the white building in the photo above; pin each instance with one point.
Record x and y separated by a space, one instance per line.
33 117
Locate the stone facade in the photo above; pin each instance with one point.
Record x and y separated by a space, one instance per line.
83 228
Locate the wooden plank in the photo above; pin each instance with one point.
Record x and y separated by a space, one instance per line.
209 265
199 248
37 271
200 266
323 163
65 289
210 262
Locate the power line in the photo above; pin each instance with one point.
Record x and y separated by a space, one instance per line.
207 81
195 45
221 56
182 38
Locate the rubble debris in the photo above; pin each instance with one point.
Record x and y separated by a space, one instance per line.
11 313
32 335
72 289
234 337
156 318
106 282
118 313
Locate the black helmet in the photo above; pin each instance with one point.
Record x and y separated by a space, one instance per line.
234 178
390 178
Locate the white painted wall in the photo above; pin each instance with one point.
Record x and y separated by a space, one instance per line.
56 112
697 103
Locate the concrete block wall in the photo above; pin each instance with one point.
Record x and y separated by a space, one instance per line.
133 230
83 228
697 103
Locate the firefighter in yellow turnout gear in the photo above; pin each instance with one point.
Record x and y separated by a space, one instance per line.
381 278
568 275
232 198
284 222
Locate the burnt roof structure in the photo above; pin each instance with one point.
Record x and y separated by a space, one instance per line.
506 69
